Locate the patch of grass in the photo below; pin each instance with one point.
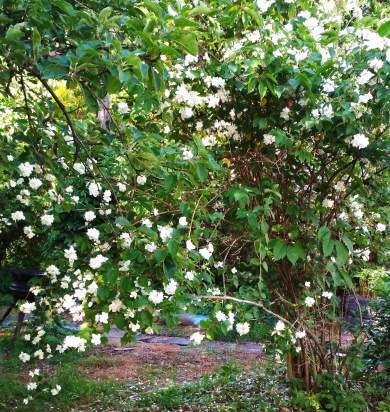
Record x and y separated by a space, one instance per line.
227 390
98 361
76 390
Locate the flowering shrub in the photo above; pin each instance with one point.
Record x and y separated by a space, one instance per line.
225 152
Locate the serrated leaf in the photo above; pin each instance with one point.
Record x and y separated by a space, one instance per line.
327 246
279 249
348 242
323 233
341 253
295 252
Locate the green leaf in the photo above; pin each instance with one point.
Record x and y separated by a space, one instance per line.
327 246
384 29
122 221
341 253
347 279
201 171
110 275
13 34
103 293
347 242
323 233
279 249
188 41
113 84
105 14
36 42
262 88
295 252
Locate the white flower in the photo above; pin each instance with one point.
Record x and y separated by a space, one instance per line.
18 215
39 354
360 141
380 227
134 326
300 334
56 390
186 113
365 98
375 64
47 219
189 245
187 154
126 239
234 270
121 187
156 297
264 5
94 189
101 317
220 316
71 255
242 328
189 275
123 108
150 247
364 77
26 169
329 86
170 287
183 221
89 216
35 183
141 180
197 338
115 306
285 114
147 222
210 140
74 342
254 36
28 307
24 357
92 288
93 234
279 326
206 252
107 196
165 232
79 168
53 270
328 203
269 139
309 301
327 295
339 186
97 261
32 386
28 231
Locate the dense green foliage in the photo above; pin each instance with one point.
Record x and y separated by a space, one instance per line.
159 155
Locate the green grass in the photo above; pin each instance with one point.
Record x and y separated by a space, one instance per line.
229 389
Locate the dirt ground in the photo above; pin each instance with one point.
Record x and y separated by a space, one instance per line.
164 363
